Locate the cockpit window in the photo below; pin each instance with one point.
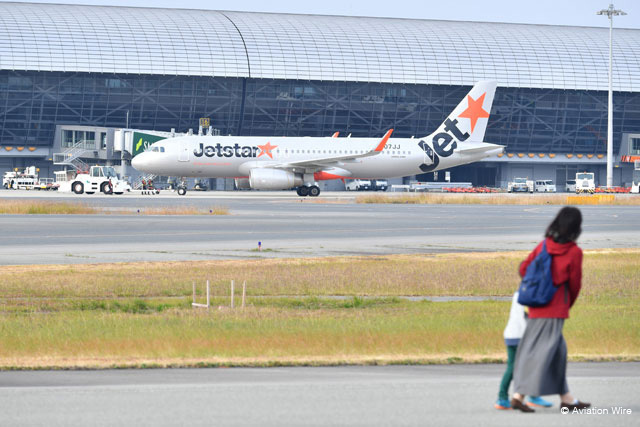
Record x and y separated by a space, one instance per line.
157 149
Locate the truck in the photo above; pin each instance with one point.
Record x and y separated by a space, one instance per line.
585 182
520 185
570 186
380 185
545 186
103 179
25 180
358 185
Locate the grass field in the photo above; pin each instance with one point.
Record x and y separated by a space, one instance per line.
606 272
19 207
140 314
28 207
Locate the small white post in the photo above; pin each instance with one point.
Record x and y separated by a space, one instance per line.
232 294
244 291
194 303
207 294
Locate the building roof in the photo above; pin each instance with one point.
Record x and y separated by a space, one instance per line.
107 39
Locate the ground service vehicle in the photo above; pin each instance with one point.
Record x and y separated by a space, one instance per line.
520 185
46 184
380 185
570 186
358 185
585 182
102 179
25 180
635 184
545 186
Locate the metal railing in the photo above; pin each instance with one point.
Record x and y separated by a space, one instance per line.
137 185
72 156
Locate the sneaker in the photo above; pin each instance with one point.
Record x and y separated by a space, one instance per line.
539 402
502 404
571 407
517 404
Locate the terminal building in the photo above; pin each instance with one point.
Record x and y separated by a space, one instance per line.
72 77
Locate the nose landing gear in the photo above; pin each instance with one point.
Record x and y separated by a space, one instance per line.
181 188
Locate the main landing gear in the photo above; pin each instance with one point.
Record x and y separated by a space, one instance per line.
312 191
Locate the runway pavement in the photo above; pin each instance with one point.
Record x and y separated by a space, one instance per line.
287 226
454 395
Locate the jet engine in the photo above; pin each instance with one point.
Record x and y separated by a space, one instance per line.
273 179
242 184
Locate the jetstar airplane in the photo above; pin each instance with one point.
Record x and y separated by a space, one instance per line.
282 163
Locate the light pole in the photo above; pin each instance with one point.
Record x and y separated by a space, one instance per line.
611 12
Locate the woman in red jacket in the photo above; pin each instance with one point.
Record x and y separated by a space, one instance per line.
541 360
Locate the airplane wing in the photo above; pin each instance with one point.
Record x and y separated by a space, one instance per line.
323 162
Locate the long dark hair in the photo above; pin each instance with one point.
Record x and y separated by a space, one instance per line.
566 225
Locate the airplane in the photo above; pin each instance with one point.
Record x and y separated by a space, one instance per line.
283 163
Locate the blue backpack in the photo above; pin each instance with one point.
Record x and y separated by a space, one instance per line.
536 288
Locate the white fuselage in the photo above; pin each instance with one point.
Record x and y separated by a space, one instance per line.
228 156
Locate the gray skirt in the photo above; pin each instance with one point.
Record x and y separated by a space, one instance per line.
541 360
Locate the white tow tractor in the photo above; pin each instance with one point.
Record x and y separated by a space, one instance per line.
103 179
585 182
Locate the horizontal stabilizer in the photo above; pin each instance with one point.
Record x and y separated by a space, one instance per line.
477 149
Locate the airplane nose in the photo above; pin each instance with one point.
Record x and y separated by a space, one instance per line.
140 162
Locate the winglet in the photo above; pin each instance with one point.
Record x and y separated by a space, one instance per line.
335 135
385 138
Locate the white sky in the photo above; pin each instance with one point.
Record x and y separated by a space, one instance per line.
555 12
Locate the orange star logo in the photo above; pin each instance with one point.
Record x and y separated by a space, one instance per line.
474 110
266 149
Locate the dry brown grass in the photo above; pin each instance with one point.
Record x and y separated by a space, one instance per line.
610 272
490 199
28 207
19 207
